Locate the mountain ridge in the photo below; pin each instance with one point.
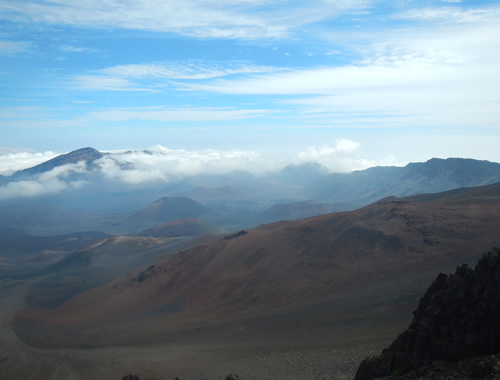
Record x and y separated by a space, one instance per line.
435 175
95 196
88 155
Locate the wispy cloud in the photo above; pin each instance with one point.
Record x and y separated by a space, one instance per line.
212 19
451 15
414 77
35 117
106 83
141 77
10 48
74 49
161 113
186 70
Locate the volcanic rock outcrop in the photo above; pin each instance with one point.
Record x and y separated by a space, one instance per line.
458 318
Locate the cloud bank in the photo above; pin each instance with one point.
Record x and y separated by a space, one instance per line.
159 164
48 183
11 162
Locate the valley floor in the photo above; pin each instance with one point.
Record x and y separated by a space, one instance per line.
286 354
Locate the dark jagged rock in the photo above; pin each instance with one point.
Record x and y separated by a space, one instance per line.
131 377
478 367
235 235
232 376
458 318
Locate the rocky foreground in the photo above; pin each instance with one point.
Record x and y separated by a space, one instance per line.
455 332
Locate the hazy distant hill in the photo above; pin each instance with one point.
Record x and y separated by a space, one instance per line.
219 194
293 211
167 209
182 227
302 174
349 265
436 175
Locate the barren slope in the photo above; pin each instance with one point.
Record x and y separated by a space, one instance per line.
351 265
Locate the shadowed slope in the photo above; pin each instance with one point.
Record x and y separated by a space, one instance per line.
167 209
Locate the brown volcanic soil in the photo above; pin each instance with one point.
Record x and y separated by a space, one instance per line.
321 287
182 227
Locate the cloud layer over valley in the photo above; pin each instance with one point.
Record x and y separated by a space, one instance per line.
159 164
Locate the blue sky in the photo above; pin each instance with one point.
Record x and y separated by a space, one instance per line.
348 83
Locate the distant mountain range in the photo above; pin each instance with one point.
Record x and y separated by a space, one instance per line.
436 175
231 201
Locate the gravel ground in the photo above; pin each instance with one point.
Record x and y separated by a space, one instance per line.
188 361
294 365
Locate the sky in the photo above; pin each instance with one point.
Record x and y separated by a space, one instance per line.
251 83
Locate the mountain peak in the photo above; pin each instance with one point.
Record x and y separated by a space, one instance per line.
89 155
300 174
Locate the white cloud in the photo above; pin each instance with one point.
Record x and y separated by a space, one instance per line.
161 113
106 83
74 49
33 188
159 164
51 182
63 171
418 76
164 164
185 70
207 19
118 78
450 15
10 48
338 158
11 162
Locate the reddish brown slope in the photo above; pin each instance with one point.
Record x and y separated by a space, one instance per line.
182 227
381 252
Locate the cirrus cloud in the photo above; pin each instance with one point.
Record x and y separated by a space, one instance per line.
205 19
